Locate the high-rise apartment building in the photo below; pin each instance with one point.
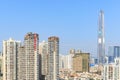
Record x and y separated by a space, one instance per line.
81 62
31 44
21 63
10 51
53 58
101 39
43 50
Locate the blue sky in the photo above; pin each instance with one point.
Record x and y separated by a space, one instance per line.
74 21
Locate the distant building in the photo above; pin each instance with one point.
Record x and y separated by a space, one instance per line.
72 51
61 61
53 58
10 51
96 61
113 52
43 50
81 62
66 61
92 61
106 59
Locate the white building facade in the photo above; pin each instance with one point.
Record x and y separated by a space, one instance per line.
10 51
43 50
112 70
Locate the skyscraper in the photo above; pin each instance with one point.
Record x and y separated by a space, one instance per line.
31 44
101 40
10 51
53 58
113 52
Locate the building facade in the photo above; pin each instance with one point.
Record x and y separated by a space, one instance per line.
101 39
21 63
61 61
31 44
72 51
43 50
113 52
1 65
112 70
10 51
65 61
53 58
81 62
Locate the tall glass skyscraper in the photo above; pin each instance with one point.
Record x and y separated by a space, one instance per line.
101 40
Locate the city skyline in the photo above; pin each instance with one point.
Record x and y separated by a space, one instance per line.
74 22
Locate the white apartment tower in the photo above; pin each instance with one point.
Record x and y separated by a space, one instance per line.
10 51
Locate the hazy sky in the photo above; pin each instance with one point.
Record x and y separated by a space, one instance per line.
75 22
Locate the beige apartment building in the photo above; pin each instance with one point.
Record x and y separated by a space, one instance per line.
81 62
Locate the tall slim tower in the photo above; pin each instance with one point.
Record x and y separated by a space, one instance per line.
53 58
101 41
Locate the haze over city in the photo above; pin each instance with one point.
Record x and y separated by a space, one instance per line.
74 22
